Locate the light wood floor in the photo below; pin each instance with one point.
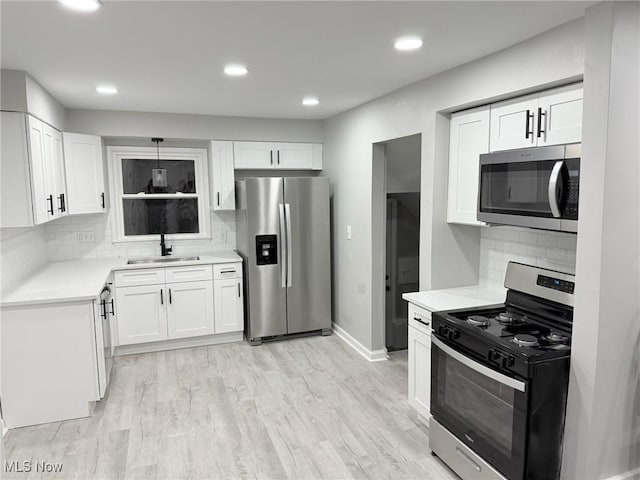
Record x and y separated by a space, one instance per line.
301 409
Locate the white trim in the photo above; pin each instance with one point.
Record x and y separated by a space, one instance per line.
178 343
4 429
199 155
370 355
627 475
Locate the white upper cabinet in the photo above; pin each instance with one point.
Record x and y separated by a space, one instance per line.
33 188
468 138
560 116
84 169
55 171
221 179
549 118
284 156
512 123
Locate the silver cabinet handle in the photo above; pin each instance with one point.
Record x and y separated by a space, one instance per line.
287 209
468 459
282 239
553 188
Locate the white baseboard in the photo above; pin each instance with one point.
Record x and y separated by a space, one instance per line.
370 355
630 475
179 343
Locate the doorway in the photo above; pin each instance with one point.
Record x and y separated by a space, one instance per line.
401 234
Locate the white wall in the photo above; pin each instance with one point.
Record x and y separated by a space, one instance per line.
603 412
22 251
403 164
200 127
499 245
448 254
62 239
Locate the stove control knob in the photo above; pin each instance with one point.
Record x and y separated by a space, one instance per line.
507 361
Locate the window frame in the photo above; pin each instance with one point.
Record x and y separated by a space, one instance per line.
200 158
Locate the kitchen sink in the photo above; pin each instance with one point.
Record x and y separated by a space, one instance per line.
138 261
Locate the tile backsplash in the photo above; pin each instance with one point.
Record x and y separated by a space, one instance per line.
499 245
63 244
22 251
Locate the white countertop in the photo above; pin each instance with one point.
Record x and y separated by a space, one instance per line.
452 298
82 280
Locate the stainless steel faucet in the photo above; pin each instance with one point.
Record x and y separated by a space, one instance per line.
163 248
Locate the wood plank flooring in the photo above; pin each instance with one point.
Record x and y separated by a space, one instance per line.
307 408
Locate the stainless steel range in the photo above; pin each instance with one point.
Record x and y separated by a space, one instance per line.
499 379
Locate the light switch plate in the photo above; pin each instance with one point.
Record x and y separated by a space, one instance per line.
348 232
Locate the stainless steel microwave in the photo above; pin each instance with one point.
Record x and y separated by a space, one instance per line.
531 187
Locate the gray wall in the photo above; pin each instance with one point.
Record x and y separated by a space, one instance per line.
448 254
21 93
603 412
403 164
198 127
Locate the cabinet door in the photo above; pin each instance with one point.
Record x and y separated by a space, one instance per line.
468 138
293 156
55 170
141 314
513 123
84 173
560 116
190 309
253 155
419 371
222 181
228 301
39 187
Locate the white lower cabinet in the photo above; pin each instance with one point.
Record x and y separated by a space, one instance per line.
190 309
228 305
141 314
420 360
153 305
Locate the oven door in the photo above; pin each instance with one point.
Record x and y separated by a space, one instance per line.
485 409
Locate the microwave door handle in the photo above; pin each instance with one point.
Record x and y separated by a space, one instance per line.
553 188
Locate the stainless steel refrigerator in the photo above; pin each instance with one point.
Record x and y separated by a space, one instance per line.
283 235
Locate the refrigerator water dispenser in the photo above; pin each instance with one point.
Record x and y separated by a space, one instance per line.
266 249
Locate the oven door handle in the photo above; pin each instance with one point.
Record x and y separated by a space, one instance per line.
478 367
553 188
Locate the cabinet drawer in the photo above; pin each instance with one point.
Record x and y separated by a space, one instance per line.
192 273
227 270
420 318
145 276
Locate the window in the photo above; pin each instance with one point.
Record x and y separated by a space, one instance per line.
151 196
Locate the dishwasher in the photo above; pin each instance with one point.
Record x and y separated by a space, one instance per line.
105 310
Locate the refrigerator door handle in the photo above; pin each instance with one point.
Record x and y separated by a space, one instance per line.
287 209
283 272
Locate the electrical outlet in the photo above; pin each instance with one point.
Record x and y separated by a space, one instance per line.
86 237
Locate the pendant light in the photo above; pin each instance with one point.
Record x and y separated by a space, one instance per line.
158 175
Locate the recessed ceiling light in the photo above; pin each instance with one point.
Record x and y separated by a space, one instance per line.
310 101
408 43
106 89
235 70
82 5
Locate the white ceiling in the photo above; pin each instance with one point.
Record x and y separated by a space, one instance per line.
167 56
